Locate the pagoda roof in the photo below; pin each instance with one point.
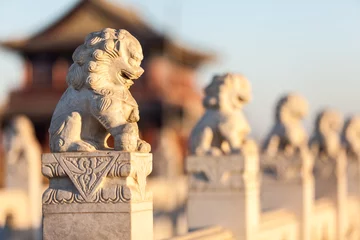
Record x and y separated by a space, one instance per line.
69 31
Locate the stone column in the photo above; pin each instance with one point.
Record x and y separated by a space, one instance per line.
97 195
224 191
306 202
341 196
290 185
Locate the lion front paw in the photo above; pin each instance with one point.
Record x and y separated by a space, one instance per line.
143 146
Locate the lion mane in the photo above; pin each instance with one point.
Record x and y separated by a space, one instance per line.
93 59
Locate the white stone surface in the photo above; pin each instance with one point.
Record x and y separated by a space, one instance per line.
210 233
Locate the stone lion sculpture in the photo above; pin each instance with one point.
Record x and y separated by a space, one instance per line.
98 102
286 154
325 142
351 137
288 134
23 168
223 128
21 149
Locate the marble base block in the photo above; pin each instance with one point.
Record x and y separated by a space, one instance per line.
216 208
224 191
99 195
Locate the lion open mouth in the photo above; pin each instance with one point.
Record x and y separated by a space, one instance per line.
241 99
128 77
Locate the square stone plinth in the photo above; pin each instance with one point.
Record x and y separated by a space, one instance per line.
93 221
99 195
224 191
226 209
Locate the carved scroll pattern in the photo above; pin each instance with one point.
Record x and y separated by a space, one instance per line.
54 196
51 170
90 176
141 169
288 167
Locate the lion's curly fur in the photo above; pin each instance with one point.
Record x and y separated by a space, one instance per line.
93 59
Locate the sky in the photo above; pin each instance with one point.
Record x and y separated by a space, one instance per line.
307 46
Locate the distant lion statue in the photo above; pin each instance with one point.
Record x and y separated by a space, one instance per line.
22 171
285 150
223 128
325 142
98 102
288 134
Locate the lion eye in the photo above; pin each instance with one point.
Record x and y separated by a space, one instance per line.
134 63
135 58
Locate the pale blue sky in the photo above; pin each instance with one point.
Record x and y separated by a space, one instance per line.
308 46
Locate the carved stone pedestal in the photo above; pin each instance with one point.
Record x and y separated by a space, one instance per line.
97 195
224 191
288 182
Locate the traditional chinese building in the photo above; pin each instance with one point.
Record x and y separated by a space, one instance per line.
165 93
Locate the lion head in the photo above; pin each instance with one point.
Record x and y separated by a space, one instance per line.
325 142
287 135
227 92
291 108
351 136
21 126
328 121
106 58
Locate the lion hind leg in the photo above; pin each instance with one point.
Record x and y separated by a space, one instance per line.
81 146
67 138
205 143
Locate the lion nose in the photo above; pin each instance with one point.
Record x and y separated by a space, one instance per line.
139 72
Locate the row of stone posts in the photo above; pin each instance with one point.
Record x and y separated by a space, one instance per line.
100 193
225 189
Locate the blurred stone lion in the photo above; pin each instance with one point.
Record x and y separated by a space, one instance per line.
288 134
223 128
325 142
